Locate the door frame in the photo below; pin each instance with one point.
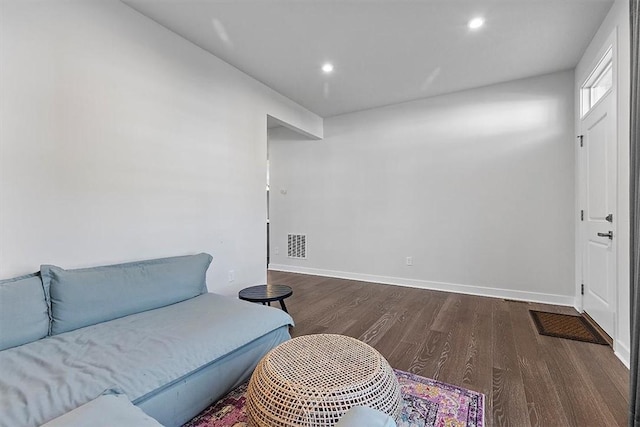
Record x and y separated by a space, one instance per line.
610 42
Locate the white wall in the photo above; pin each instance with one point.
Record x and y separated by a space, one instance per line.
617 23
120 141
476 186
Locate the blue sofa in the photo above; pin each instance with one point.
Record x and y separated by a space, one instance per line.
148 330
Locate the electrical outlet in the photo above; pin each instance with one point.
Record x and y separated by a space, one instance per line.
409 260
276 251
232 276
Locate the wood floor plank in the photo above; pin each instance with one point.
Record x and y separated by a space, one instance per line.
333 305
403 355
410 313
509 397
452 366
484 344
478 369
425 362
378 312
542 397
576 395
597 381
354 299
619 376
376 331
499 398
449 310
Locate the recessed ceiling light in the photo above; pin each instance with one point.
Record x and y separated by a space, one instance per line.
476 23
327 68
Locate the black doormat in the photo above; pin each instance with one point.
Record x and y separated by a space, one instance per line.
566 326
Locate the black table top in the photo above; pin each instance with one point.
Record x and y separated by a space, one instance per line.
265 293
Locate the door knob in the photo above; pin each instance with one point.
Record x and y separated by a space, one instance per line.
609 235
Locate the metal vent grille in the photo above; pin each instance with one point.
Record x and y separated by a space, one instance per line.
297 246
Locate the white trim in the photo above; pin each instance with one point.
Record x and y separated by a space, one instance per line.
567 300
623 353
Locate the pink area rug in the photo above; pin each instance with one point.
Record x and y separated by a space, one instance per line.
426 403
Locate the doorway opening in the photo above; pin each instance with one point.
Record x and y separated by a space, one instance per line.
281 243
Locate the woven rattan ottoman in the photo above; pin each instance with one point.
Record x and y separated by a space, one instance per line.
313 380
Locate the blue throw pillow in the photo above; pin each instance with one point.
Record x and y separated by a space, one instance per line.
24 313
88 296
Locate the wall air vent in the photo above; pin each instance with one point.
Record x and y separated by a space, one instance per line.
297 246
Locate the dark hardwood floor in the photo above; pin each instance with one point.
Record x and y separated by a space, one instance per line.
485 344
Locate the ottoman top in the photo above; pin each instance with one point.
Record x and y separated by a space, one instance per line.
324 361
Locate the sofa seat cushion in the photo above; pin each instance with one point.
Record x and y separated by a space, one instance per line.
108 410
138 354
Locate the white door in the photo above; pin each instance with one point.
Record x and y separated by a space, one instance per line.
599 162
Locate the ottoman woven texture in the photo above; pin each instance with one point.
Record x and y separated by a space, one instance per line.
313 380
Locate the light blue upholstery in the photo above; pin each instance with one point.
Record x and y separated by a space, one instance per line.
88 296
180 401
108 410
143 355
23 311
362 416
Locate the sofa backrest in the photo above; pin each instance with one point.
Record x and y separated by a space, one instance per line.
23 311
88 296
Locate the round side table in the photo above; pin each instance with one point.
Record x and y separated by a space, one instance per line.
313 380
265 294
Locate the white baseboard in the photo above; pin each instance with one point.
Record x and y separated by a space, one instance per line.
623 353
436 286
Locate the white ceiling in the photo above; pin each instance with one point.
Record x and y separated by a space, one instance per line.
384 52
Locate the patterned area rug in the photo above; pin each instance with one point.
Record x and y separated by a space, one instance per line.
426 403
